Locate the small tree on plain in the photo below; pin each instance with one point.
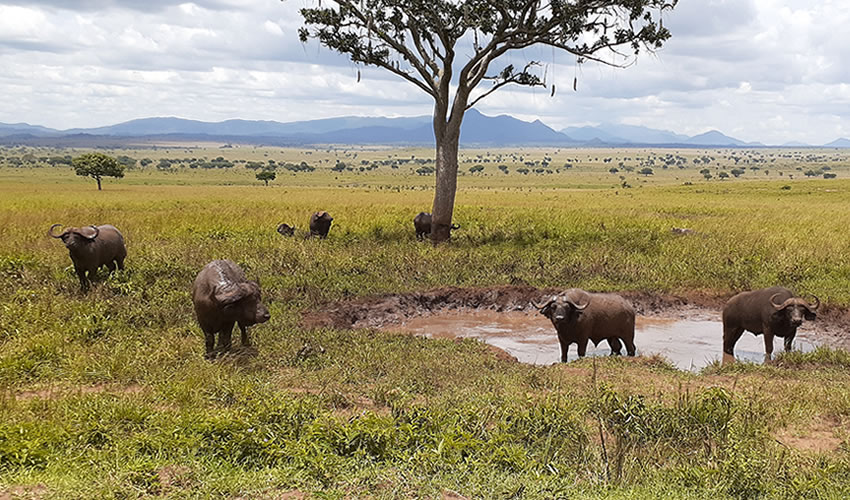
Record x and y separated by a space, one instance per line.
97 166
266 176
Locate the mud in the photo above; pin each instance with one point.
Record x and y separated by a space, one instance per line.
685 329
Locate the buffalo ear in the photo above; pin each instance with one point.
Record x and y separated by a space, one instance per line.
809 315
230 294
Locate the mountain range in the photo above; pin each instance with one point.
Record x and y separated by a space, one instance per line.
478 129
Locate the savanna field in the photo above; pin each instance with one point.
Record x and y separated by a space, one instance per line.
108 395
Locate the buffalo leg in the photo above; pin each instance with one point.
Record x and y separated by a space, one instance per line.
244 331
582 347
630 346
768 345
111 266
730 338
209 344
789 342
224 338
120 262
84 282
615 344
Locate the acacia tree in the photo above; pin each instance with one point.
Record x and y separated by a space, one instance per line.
97 166
266 176
418 41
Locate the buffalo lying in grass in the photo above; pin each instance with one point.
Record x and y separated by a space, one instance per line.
91 247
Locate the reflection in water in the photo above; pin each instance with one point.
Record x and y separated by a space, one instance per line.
531 338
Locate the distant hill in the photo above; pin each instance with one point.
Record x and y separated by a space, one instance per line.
477 129
838 143
714 138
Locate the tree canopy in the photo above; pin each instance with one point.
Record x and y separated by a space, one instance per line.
97 166
418 41
266 176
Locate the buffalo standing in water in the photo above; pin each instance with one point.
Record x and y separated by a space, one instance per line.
222 296
579 316
422 224
774 312
320 224
92 247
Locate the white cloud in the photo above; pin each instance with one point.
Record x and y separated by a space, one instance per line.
762 70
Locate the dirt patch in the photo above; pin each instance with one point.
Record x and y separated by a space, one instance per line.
391 309
819 437
56 392
34 492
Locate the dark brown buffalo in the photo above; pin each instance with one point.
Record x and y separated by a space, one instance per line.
320 224
223 296
579 316
774 312
286 230
91 247
422 224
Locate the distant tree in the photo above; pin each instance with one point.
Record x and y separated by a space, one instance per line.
829 175
737 172
646 171
97 166
707 175
723 175
613 170
446 49
266 176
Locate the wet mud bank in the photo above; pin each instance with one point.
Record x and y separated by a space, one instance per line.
685 330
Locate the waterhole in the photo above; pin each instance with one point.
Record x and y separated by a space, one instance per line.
690 344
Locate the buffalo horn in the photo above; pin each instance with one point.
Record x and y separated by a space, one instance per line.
781 306
576 306
96 232
455 226
817 304
50 231
552 299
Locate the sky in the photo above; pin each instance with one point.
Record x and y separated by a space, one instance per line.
757 70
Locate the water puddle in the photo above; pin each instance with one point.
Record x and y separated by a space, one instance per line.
531 338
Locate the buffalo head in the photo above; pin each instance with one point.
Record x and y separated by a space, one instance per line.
560 308
244 299
74 237
796 309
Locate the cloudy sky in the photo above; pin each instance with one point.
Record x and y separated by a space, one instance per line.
758 70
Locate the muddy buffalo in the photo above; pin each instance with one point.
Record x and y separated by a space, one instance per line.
422 224
223 296
579 316
774 312
286 230
320 224
91 247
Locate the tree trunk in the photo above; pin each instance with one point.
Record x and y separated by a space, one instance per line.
98 183
444 197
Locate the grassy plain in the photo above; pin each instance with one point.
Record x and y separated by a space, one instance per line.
107 394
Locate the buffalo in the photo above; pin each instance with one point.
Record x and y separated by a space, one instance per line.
320 224
774 312
91 247
286 230
223 296
579 316
422 224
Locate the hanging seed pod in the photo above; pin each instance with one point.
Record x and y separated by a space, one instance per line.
553 91
358 76
575 83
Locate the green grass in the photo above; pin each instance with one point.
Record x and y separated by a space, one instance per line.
107 394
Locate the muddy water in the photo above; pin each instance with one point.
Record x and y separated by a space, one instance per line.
690 344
